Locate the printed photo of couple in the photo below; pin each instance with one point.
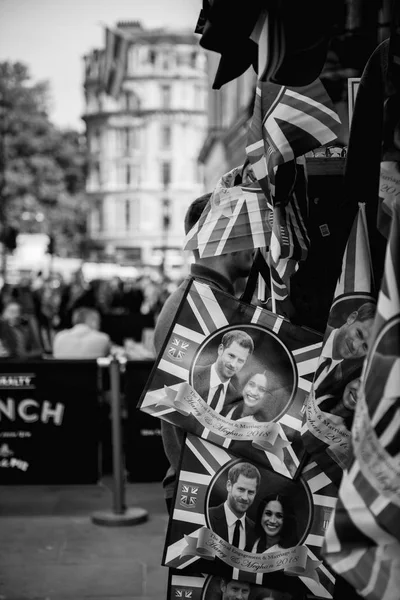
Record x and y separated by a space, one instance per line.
258 513
346 344
218 588
245 373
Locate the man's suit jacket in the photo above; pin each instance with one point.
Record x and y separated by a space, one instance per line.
219 525
201 383
335 382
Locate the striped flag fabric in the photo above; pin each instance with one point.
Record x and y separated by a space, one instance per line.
289 238
325 434
115 61
363 541
356 274
287 123
201 465
237 217
202 315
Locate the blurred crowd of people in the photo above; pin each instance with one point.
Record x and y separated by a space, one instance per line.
36 310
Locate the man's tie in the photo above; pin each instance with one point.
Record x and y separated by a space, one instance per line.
217 395
322 370
236 534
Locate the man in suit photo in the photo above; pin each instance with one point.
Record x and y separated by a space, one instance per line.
235 590
229 519
343 352
216 383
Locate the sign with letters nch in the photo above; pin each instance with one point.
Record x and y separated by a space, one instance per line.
48 422
236 375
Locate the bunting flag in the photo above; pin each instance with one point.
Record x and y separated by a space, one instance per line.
328 414
115 61
237 217
363 541
285 353
202 487
287 123
289 239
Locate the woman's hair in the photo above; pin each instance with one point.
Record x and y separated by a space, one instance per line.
288 534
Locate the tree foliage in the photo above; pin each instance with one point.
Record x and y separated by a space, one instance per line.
42 168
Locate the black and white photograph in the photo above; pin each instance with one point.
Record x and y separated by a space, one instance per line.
244 522
183 362
346 345
263 514
245 373
236 375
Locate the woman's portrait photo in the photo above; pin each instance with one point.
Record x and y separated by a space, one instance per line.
275 524
258 510
245 372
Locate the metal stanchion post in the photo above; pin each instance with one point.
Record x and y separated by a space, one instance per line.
119 515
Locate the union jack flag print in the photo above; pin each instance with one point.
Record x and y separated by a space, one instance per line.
363 540
287 123
237 217
287 354
115 61
313 497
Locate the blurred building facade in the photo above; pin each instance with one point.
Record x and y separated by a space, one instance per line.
229 113
143 147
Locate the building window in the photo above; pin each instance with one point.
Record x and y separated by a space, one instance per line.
166 214
100 215
96 174
95 141
166 137
166 172
166 96
129 101
165 61
152 57
198 97
193 59
127 140
127 214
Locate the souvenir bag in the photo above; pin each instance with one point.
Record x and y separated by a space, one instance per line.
267 365
198 540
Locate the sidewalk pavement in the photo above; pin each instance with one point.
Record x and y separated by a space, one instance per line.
50 549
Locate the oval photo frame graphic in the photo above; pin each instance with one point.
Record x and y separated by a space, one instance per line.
298 491
270 355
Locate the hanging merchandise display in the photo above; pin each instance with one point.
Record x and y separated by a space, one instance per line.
363 541
333 396
285 41
287 123
237 217
280 523
237 375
